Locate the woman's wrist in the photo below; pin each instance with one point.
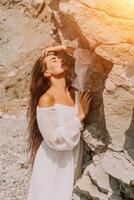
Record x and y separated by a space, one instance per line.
68 49
81 118
81 121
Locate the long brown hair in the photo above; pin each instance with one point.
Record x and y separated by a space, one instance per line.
38 86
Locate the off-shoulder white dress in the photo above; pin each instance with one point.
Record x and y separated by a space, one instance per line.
58 161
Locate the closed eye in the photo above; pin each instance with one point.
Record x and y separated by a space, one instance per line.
53 59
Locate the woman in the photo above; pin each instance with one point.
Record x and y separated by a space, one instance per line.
56 113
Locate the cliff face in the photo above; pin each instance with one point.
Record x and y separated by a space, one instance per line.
107 28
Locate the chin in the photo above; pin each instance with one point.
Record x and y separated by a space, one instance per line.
64 71
65 67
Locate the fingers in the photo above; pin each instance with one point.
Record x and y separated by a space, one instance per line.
82 94
86 95
89 100
52 49
86 98
46 51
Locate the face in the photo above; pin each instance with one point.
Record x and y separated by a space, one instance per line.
55 65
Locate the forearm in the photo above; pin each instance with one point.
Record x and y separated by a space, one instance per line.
81 120
68 49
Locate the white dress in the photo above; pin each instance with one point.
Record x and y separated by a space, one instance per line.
58 161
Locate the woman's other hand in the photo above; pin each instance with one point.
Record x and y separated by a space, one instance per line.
85 98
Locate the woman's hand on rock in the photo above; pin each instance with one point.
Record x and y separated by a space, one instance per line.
84 103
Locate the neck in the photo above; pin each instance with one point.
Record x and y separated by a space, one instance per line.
59 85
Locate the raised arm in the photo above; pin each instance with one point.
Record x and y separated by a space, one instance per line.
80 54
83 59
68 49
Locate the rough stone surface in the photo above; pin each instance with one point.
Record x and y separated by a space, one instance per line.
14 168
118 166
104 27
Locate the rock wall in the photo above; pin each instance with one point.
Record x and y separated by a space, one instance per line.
107 29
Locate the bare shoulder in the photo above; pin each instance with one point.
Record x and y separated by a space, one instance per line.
46 100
